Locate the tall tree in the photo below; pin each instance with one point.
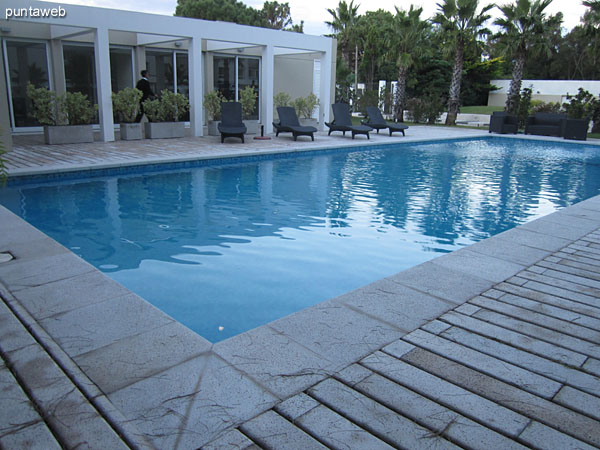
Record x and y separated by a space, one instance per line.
372 30
461 23
343 25
408 40
591 26
525 28
224 10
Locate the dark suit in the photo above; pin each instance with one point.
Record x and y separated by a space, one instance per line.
144 86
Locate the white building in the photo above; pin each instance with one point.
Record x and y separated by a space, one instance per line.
544 90
98 51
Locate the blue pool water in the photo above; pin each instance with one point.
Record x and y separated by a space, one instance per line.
226 248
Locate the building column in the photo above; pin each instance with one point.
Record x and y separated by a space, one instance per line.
266 90
325 91
57 66
105 112
196 86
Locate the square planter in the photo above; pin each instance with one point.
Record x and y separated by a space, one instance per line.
68 134
575 129
164 130
252 126
131 131
213 128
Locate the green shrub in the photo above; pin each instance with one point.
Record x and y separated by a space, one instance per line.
212 104
582 106
171 107
523 107
282 99
72 108
248 100
367 98
305 106
126 104
538 106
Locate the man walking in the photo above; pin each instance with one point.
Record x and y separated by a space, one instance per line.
144 86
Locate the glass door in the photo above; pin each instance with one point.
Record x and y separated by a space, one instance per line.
231 74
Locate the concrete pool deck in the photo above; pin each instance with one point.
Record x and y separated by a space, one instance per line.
494 345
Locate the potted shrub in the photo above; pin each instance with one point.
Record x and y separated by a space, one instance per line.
126 105
580 109
165 115
304 108
248 100
212 104
281 99
67 119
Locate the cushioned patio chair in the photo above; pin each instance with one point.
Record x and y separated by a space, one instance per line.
503 123
375 120
342 121
231 124
545 124
289 123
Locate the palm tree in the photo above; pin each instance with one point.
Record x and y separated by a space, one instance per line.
525 28
591 27
343 24
407 41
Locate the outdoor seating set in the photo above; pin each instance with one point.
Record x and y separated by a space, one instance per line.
542 124
231 124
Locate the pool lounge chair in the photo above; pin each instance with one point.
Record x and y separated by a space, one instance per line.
375 120
289 123
231 124
342 121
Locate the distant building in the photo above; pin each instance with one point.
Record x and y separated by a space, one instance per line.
98 51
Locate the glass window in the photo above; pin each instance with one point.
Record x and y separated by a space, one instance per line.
248 76
183 80
121 70
160 70
80 70
224 76
27 63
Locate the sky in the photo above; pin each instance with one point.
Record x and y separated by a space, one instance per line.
314 12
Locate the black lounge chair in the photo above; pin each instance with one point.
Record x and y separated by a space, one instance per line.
231 124
289 123
503 123
375 120
343 122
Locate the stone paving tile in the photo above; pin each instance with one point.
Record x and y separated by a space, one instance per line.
13 335
489 365
519 400
593 366
231 440
353 374
65 295
579 401
190 404
270 430
538 332
328 328
86 329
549 299
541 319
68 411
503 246
131 359
564 284
396 429
337 432
296 406
20 424
552 311
435 327
545 438
452 285
575 262
396 304
558 292
447 394
515 339
532 239
443 421
542 366
275 361
561 226
566 268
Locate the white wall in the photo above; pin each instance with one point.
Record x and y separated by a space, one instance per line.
544 90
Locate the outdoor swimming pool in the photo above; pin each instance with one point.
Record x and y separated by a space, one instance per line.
224 248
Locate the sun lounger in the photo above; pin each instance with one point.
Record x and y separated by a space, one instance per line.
375 120
342 121
231 124
289 123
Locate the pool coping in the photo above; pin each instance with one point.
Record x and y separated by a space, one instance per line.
209 388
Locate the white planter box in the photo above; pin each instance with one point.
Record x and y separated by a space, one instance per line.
131 131
164 130
252 126
213 129
68 134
